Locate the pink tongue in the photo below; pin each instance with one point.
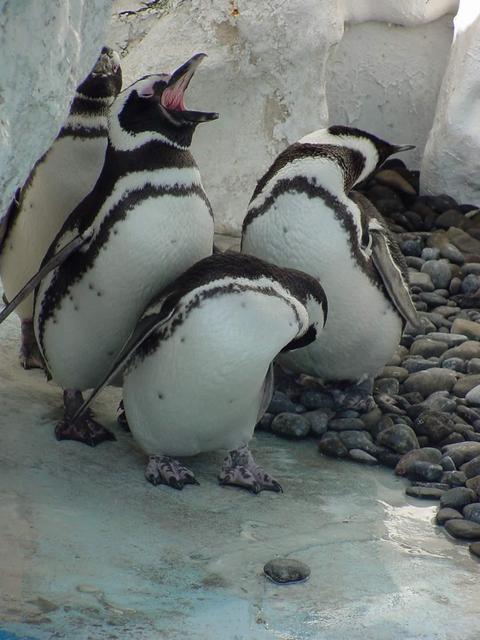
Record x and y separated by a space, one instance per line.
173 99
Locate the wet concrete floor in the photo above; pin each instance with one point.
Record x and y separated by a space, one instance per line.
90 551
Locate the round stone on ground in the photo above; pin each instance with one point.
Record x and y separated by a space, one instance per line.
290 425
445 514
426 493
463 529
430 380
457 498
400 438
472 512
405 466
362 456
426 347
286 570
331 445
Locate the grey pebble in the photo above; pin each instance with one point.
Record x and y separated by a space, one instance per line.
341 424
427 347
430 380
470 283
359 455
444 514
281 403
451 339
447 463
290 425
405 466
286 570
463 529
318 420
439 271
331 445
427 471
399 438
427 493
457 498
454 478
312 399
472 512
471 468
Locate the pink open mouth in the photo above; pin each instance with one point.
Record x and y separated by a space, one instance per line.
172 97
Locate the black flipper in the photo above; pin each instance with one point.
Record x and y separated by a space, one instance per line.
56 260
145 327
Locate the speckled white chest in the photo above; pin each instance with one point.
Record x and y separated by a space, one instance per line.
362 328
60 182
157 240
201 389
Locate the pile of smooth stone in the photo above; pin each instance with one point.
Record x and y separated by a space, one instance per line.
426 424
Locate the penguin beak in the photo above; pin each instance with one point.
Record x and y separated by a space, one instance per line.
393 280
173 95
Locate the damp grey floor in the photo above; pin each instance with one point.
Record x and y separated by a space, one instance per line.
89 550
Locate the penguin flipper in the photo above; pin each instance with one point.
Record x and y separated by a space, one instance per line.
7 220
144 329
387 260
56 260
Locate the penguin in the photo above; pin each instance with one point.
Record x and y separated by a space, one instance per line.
145 222
60 180
198 365
303 215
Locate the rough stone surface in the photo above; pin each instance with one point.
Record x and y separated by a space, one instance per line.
55 44
359 455
462 452
457 498
400 438
405 466
290 425
444 514
427 493
463 529
472 512
331 445
286 570
430 380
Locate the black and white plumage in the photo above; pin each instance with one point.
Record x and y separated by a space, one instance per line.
145 222
302 215
199 372
60 180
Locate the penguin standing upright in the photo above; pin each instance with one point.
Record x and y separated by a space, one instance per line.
145 222
302 216
199 372
60 180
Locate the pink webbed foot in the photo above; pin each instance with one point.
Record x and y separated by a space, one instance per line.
167 470
240 469
85 429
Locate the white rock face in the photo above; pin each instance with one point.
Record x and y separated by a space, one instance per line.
47 50
451 163
386 79
281 69
262 65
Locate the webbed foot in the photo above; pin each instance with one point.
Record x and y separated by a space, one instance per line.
85 429
167 470
240 469
30 356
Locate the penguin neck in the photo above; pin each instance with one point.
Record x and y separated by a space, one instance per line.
88 106
150 156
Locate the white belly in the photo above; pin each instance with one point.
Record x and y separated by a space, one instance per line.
362 328
60 182
201 389
148 249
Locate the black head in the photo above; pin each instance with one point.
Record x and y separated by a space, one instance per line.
153 108
375 150
105 79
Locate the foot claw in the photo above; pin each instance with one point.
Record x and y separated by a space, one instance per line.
240 469
85 430
166 470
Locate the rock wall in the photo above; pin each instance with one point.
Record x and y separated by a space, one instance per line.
277 70
48 47
451 162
